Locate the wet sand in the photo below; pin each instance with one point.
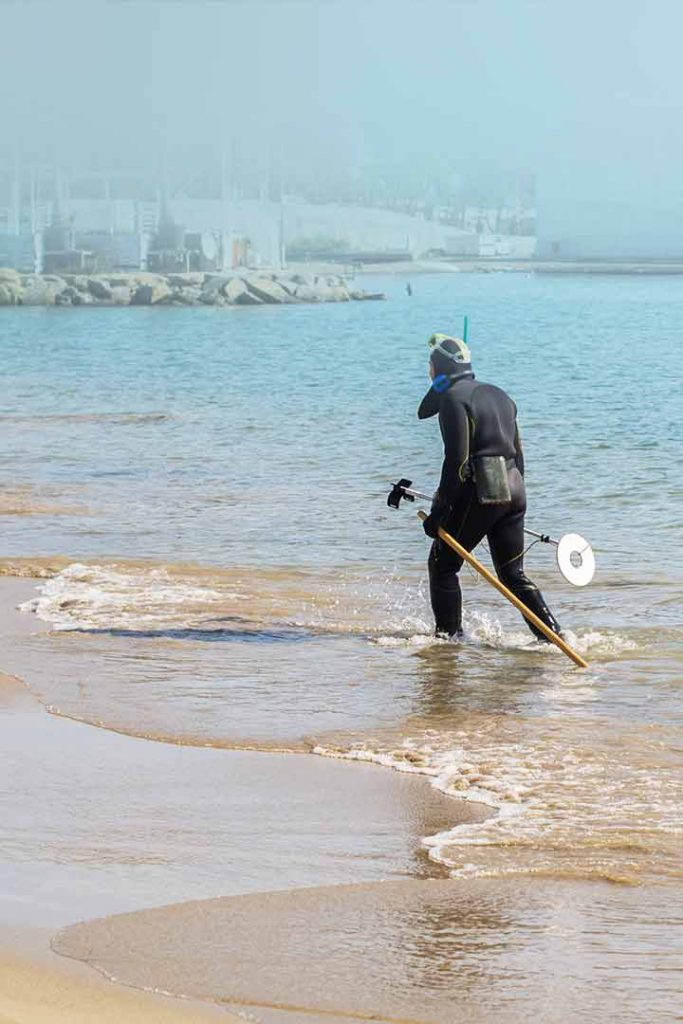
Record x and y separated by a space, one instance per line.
482 950
99 823
32 992
286 887
96 823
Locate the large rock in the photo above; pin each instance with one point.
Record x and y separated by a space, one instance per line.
70 296
99 288
324 287
41 291
187 296
121 295
289 285
211 298
77 281
307 293
9 294
361 295
150 294
247 298
10 277
122 280
212 293
215 282
318 291
235 288
267 290
190 279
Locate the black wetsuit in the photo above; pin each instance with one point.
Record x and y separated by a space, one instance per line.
477 419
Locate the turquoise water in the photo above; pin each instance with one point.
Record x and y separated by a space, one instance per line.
272 433
215 483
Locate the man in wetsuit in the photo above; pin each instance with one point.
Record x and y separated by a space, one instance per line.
477 421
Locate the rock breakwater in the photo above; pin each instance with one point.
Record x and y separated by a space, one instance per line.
190 289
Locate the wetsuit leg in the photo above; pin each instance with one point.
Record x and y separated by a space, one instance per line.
468 522
506 541
444 589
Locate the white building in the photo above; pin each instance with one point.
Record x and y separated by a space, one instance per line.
269 227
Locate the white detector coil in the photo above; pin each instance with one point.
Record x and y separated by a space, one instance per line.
575 559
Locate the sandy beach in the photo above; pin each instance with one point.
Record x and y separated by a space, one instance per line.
39 987
35 990
96 823
259 883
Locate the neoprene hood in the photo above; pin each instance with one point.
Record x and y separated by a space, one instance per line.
451 360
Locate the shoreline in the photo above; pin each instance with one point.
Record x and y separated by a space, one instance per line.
298 283
38 986
498 265
82 861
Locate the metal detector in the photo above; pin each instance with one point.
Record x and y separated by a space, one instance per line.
575 556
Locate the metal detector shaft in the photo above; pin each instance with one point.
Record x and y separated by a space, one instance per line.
532 533
542 536
554 638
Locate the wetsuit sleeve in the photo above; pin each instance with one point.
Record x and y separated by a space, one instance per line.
455 430
519 453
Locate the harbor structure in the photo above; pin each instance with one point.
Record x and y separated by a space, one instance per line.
60 227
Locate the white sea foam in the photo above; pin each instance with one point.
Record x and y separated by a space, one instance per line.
95 596
391 611
421 637
560 803
483 630
487 631
603 643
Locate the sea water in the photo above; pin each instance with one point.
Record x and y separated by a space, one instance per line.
204 491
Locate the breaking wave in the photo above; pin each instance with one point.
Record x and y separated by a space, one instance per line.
567 799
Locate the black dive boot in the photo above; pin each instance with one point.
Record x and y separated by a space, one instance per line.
535 602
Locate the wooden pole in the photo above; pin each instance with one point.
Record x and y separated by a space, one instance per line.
554 638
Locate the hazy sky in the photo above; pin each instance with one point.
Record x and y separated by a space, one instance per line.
588 94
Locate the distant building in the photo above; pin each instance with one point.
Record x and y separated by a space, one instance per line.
23 252
173 249
60 254
167 251
513 247
107 233
114 250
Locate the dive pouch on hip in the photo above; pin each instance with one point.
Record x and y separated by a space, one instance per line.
491 480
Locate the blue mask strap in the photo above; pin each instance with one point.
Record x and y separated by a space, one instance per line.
441 383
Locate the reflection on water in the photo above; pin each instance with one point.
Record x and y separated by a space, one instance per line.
430 952
96 823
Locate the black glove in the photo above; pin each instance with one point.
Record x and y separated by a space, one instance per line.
431 525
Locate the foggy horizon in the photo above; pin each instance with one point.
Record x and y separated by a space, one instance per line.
461 97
